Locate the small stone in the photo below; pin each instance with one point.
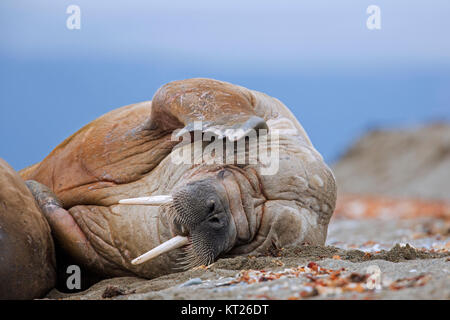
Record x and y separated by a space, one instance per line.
113 291
191 282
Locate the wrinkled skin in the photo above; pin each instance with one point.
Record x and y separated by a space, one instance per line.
224 209
27 257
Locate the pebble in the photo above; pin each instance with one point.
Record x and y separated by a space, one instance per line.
191 282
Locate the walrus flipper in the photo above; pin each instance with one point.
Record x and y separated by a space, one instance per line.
66 231
217 107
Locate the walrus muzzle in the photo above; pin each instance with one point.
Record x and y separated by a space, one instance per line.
201 214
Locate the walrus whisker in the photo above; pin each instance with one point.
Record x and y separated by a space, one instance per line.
174 243
173 214
194 258
152 201
189 261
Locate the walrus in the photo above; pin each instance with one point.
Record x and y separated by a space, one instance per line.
27 256
111 192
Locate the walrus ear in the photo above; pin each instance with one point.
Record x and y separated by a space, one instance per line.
233 130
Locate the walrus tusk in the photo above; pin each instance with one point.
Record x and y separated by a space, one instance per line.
153 200
171 244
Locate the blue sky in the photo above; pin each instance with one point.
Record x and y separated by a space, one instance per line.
318 57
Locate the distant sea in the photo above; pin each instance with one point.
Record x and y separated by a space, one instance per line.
44 101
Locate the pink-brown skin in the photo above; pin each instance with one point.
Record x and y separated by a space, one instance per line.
27 257
126 154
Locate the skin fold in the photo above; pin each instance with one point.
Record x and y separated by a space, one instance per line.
225 209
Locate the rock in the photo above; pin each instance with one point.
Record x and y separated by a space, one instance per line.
191 282
412 162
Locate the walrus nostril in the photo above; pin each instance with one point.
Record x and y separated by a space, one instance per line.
214 220
211 206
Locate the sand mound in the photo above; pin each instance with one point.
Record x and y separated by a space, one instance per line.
289 274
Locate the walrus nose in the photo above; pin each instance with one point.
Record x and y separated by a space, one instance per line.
199 206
